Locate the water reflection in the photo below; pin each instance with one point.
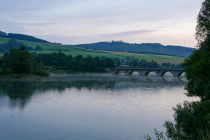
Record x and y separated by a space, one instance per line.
20 93
87 109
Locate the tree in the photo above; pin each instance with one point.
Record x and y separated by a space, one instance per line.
20 61
192 121
198 64
38 48
40 70
203 27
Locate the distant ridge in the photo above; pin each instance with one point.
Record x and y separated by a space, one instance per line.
113 46
144 48
22 37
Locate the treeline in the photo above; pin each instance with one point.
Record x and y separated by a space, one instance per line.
60 61
21 37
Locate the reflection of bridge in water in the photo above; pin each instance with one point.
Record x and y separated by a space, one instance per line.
148 71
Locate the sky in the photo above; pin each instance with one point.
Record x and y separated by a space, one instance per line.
170 22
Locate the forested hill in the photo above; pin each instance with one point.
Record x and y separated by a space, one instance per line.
145 48
22 37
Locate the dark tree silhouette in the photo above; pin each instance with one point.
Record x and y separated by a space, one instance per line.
198 64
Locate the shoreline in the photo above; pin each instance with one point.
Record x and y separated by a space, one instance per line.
54 77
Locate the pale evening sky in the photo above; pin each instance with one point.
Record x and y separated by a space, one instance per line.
170 22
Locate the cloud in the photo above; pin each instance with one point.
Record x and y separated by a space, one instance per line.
128 33
80 21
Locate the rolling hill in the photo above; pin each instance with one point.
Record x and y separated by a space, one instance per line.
149 52
145 48
21 37
6 47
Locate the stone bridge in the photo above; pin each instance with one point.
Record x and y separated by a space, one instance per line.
147 71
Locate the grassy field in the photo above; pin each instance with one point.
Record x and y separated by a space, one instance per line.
156 58
71 50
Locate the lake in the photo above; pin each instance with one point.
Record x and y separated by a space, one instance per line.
87 109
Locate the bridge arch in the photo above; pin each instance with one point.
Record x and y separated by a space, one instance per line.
151 73
134 73
181 74
167 74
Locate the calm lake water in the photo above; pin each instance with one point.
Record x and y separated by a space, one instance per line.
87 109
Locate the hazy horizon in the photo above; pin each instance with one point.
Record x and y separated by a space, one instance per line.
87 21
